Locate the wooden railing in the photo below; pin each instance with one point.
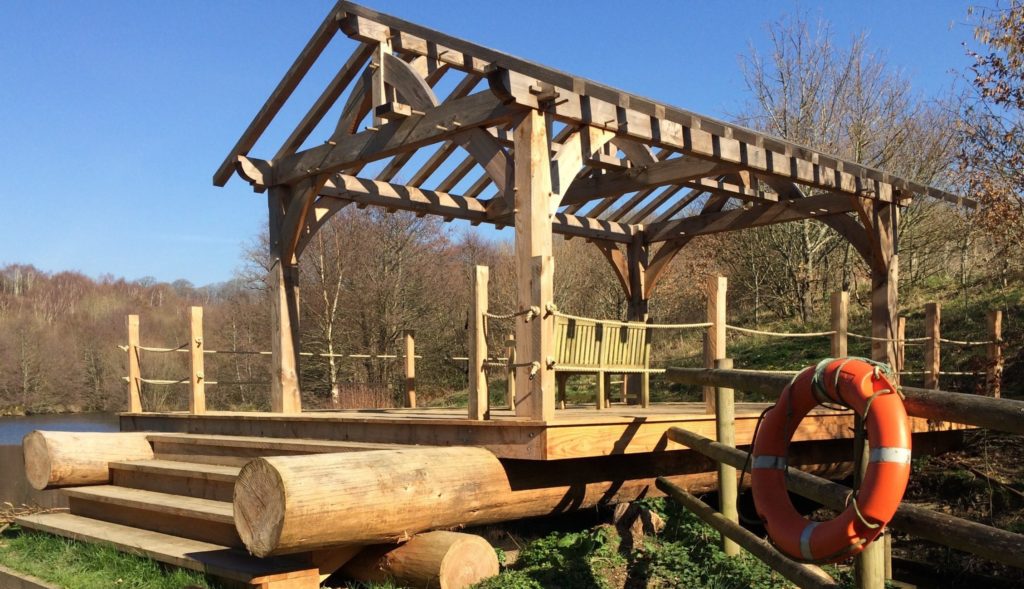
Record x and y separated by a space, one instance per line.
197 379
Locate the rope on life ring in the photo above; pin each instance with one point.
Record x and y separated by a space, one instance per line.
865 387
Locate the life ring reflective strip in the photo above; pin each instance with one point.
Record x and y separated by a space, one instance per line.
863 387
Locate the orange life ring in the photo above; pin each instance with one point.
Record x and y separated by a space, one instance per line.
863 387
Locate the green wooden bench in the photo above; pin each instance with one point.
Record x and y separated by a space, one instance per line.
604 348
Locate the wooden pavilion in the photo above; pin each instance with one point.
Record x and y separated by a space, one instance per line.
551 153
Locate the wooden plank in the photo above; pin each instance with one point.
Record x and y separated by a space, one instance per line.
196 353
309 54
203 481
535 397
199 556
479 403
757 215
134 370
443 122
11 579
191 507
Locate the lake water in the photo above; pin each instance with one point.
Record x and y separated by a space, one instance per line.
13 486
13 429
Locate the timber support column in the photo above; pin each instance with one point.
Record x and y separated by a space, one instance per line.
284 296
869 566
714 341
535 334
637 386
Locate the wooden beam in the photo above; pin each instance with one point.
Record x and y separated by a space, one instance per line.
617 259
309 54
756 215
323 104
429 202
284 295
670 249
535 394
443 122
674 171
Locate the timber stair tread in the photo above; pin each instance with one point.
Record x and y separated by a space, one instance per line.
213 472
212 559
308 446
175 505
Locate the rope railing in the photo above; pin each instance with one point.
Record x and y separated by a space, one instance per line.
184 349
780 333
904 341
968 343
168 382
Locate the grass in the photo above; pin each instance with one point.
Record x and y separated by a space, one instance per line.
79 565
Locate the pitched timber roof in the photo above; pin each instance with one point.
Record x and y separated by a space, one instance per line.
647 167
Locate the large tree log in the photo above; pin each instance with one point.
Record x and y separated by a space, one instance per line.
63 459
449 560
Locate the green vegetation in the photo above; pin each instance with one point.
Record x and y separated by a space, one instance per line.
77 565
686 554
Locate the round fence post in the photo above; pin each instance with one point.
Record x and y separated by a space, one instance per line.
725 430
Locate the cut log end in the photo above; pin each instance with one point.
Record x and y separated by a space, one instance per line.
37 460
259 503
62 459
449 560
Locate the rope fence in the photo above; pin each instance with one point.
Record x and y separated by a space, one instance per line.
780 333
184 349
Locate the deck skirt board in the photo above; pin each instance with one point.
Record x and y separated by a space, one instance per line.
575 432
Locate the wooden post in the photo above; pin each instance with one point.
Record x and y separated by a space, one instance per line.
933 347
840 322
535 384
636 387
410 368
478 399
901 339
285 396
714 344
994 354
510 389
725 431
197 375
869 565
134 369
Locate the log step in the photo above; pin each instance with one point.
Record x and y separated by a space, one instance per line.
238 450
187 517
211 559
202 481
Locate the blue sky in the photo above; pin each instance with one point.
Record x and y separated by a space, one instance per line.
114 115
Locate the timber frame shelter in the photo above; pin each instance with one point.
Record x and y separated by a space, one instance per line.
550 153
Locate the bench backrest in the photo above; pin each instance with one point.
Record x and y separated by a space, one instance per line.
581 344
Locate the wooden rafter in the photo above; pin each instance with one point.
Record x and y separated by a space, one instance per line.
674 171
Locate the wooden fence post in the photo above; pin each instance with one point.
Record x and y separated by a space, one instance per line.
134 369
725 431
196 348
901 339
478 401
510 392
840 323
714 345
410 368
932 348
994 370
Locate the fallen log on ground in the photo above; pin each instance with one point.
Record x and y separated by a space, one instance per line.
288 504
63 459
445 560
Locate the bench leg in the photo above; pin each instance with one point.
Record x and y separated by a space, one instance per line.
645 390
561 380
601 390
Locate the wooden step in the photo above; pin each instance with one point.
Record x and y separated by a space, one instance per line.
187 517
203 481
238 450
211 559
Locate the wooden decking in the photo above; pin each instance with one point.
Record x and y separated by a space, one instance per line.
576 432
